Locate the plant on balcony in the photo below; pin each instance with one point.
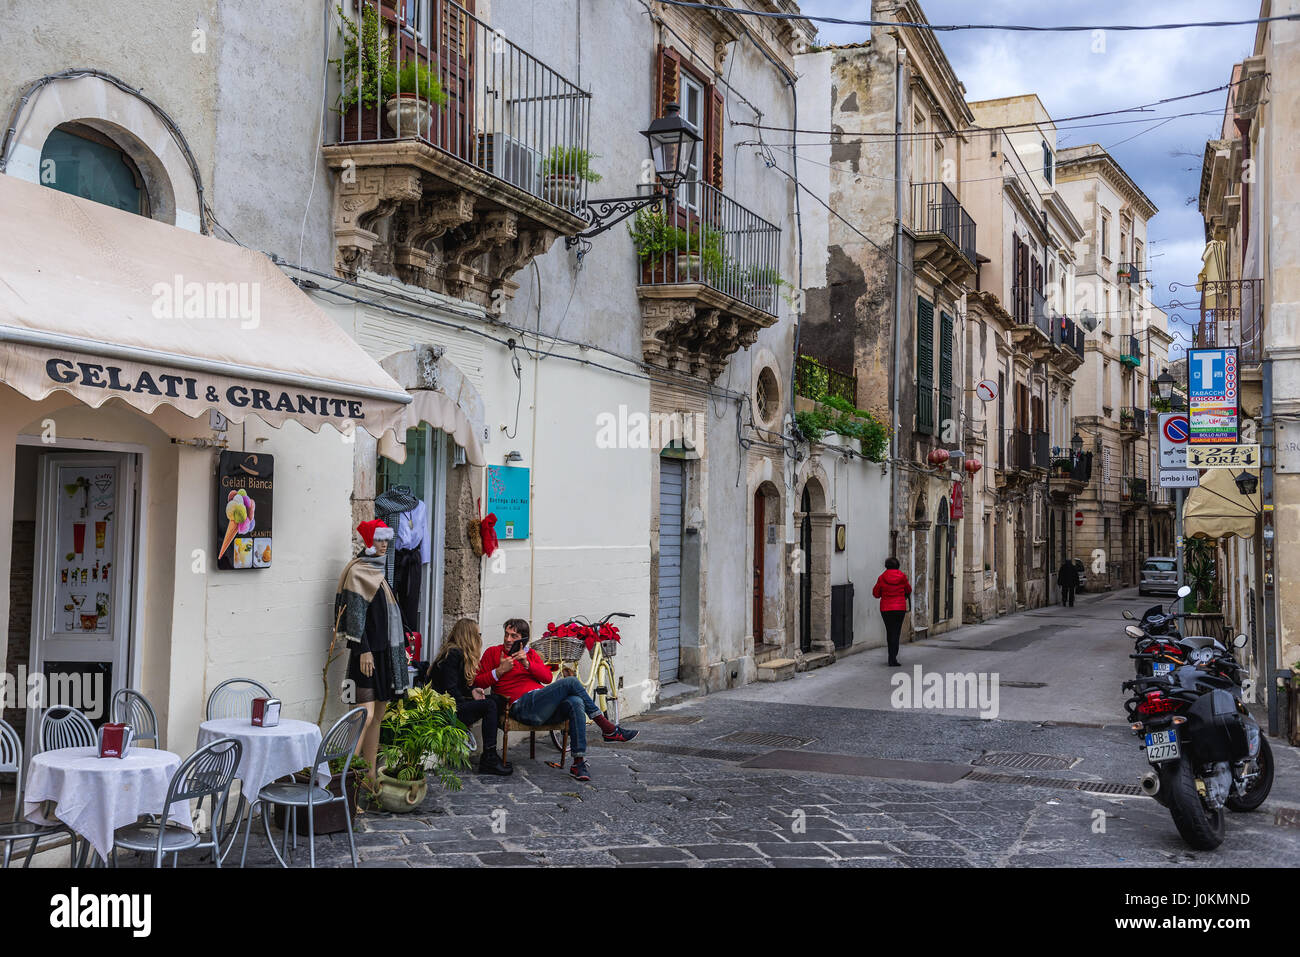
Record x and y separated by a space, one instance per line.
412 93
655 239
367 51
1062 465
1126 415
836 415
563 168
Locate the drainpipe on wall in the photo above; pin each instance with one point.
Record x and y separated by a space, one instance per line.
895 387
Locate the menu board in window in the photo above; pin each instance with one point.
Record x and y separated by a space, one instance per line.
84 537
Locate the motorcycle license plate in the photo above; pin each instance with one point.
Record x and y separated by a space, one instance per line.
1162 746
1162 667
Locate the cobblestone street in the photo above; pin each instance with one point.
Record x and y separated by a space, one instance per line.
841 786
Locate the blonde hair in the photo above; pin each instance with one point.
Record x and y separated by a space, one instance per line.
465 637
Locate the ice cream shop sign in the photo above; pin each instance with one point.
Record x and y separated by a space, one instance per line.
245 492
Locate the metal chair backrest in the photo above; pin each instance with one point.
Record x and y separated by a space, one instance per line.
341 740
132 708
11 762
64 727
207 772
233 698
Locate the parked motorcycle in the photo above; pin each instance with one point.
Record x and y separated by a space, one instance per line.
1205 749
1157 631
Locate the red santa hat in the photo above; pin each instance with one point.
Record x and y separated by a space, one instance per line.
374 531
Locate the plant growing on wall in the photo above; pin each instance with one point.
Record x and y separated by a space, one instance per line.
367 56
834 414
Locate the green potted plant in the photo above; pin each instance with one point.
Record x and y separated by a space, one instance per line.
367 51
421 735
1062 465
562 169
412 93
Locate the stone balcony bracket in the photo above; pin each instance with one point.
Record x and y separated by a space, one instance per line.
694 329
406 209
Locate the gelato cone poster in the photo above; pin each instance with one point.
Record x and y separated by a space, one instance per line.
245 489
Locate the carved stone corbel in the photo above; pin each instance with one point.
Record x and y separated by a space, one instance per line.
361 201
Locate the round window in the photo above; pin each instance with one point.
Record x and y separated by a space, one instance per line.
767 397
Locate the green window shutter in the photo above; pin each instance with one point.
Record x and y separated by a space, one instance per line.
924 366
946 410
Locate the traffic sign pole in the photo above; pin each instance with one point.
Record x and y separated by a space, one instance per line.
1178 540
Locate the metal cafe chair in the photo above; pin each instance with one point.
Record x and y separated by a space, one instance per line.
64 727
339 742
233 698
206 774
12 832
132 708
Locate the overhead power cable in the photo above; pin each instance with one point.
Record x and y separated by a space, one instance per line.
952 27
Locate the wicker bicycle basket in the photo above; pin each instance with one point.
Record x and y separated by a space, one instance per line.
610 648
561 649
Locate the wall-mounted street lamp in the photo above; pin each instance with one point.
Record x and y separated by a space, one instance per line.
1165 385
672 151
1246 483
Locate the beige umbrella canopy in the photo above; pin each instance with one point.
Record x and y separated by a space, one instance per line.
1217 508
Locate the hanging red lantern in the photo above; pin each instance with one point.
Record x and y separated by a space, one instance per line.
972 466
937 457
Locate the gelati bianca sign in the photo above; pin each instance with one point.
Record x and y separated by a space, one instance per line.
1213 392
245 495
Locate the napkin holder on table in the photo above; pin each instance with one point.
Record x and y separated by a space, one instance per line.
266 712
115 740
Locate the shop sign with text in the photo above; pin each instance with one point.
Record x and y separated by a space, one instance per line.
245 495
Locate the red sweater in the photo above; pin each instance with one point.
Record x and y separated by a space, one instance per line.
892 588
517 682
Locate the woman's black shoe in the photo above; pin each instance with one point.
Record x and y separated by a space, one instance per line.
491 763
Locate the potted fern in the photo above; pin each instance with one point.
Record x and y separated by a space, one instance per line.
421 735
412 93
562 170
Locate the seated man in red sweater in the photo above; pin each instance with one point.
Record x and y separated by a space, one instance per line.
524 679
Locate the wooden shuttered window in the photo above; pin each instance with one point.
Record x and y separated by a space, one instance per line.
668 89
1020 290
924 367
946 411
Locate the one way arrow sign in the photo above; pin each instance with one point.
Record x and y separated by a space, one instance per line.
1223 457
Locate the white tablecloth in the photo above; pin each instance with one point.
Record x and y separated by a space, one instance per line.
269 753
95 796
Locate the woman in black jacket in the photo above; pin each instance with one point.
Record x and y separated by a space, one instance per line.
453 673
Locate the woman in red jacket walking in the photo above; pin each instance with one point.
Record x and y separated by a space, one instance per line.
895 594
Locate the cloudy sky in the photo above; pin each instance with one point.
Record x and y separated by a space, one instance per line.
1071 79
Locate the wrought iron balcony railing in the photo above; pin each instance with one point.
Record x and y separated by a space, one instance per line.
1029 307
1130 351
701 236
1232 314
1042 450
936 210
1019 450
1134 489
1133 420
816 380
432 70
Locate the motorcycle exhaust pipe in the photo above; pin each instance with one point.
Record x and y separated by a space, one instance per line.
1150 784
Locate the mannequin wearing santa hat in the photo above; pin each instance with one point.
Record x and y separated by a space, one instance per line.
367 617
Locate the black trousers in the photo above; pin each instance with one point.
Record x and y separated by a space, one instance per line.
406 586
486 711
893 627
1067 595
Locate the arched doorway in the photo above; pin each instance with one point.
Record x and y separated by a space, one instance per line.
805 572
942 578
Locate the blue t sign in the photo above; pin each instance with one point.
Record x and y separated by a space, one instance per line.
1212 396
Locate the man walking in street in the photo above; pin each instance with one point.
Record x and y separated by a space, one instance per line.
1068 579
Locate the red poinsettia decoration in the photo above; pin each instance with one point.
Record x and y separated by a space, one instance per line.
588 634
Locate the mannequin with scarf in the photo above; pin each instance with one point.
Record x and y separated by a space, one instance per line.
408 517
367 617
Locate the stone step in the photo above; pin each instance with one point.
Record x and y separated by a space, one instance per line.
778 669
766 652
816 659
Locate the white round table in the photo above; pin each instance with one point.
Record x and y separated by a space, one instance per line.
269 753
95 796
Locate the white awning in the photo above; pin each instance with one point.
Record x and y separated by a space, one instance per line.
1216 508
441 412
101 303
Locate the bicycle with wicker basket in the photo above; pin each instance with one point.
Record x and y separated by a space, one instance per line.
565 646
